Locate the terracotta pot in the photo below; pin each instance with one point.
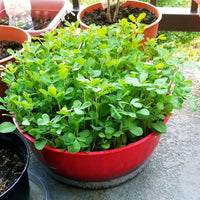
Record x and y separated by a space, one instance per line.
13 34
10 34
150 31
20 189
96 166
198 2
55 10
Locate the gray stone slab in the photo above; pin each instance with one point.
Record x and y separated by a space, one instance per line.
173 172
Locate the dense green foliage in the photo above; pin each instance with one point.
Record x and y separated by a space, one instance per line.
95 90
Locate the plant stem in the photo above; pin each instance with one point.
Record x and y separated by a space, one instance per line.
116 11
108 11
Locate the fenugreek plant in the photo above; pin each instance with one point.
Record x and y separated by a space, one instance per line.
97 90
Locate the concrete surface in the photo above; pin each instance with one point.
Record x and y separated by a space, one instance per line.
173 172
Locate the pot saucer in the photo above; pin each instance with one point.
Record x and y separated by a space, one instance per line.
99 184
38 189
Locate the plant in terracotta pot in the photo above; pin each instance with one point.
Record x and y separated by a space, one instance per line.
99 15
10 38
93 104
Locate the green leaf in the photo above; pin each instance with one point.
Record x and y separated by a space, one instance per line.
162 117
143 77
71 136
135 103
39 144
102 135
76 145
84 133
64 111
78 111
160 127
114 113
77 104
135 130
7 127
69 90
2 107
144 112
177 105
133 81
25 122
118 133
95 73
193 106
105 146
44 120
132 18
71 149
86 105
162 91
109 130
160 81
81 139
141 17
44 92
80 61
96 128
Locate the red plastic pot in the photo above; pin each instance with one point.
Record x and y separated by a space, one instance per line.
96 166
150 31
55 10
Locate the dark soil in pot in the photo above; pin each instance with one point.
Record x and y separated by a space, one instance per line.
11 167
99 17
39 23
5 45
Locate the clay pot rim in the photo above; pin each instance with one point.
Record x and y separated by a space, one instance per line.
4 60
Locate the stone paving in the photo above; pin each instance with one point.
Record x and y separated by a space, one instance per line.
173 172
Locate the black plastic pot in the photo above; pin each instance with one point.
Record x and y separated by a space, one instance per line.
20 189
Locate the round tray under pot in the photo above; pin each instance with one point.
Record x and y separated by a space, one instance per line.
98 184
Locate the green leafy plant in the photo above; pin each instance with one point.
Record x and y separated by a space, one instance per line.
97 90
7 127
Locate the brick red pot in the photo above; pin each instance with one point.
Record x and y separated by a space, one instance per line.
96 166
150 31
9 33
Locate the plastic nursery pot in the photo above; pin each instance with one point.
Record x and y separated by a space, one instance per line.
150 30
47 9
20 189
96 166
15 34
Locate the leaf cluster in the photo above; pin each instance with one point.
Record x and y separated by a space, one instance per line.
96 90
